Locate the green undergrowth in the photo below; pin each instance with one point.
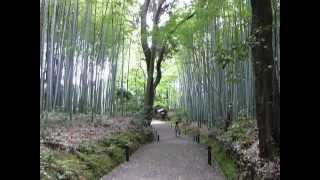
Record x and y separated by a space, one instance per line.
226 163
62 165
241 132
177 116
91 160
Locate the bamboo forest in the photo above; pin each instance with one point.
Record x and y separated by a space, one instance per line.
160 89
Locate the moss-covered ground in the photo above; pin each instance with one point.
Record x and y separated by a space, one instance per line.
91 160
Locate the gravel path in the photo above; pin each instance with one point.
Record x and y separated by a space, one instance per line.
173 158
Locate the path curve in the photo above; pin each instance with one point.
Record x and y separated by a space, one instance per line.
173 158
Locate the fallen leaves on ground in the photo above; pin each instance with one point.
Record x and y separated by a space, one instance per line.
68 138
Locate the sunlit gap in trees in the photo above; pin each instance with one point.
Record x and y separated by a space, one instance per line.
153 122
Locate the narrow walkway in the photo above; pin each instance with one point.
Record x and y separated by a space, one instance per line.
173 158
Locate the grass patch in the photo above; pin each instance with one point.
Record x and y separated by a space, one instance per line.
91 160
62 166
226 163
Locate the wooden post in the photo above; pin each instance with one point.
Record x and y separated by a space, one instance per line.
209 155
197 138
155 134
126 151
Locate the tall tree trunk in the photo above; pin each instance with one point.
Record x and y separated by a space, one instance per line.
50 60
122 69
276 110
43 27
276 89
128 70
71 59
149 94
61 58
84 94
262 66
150 55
